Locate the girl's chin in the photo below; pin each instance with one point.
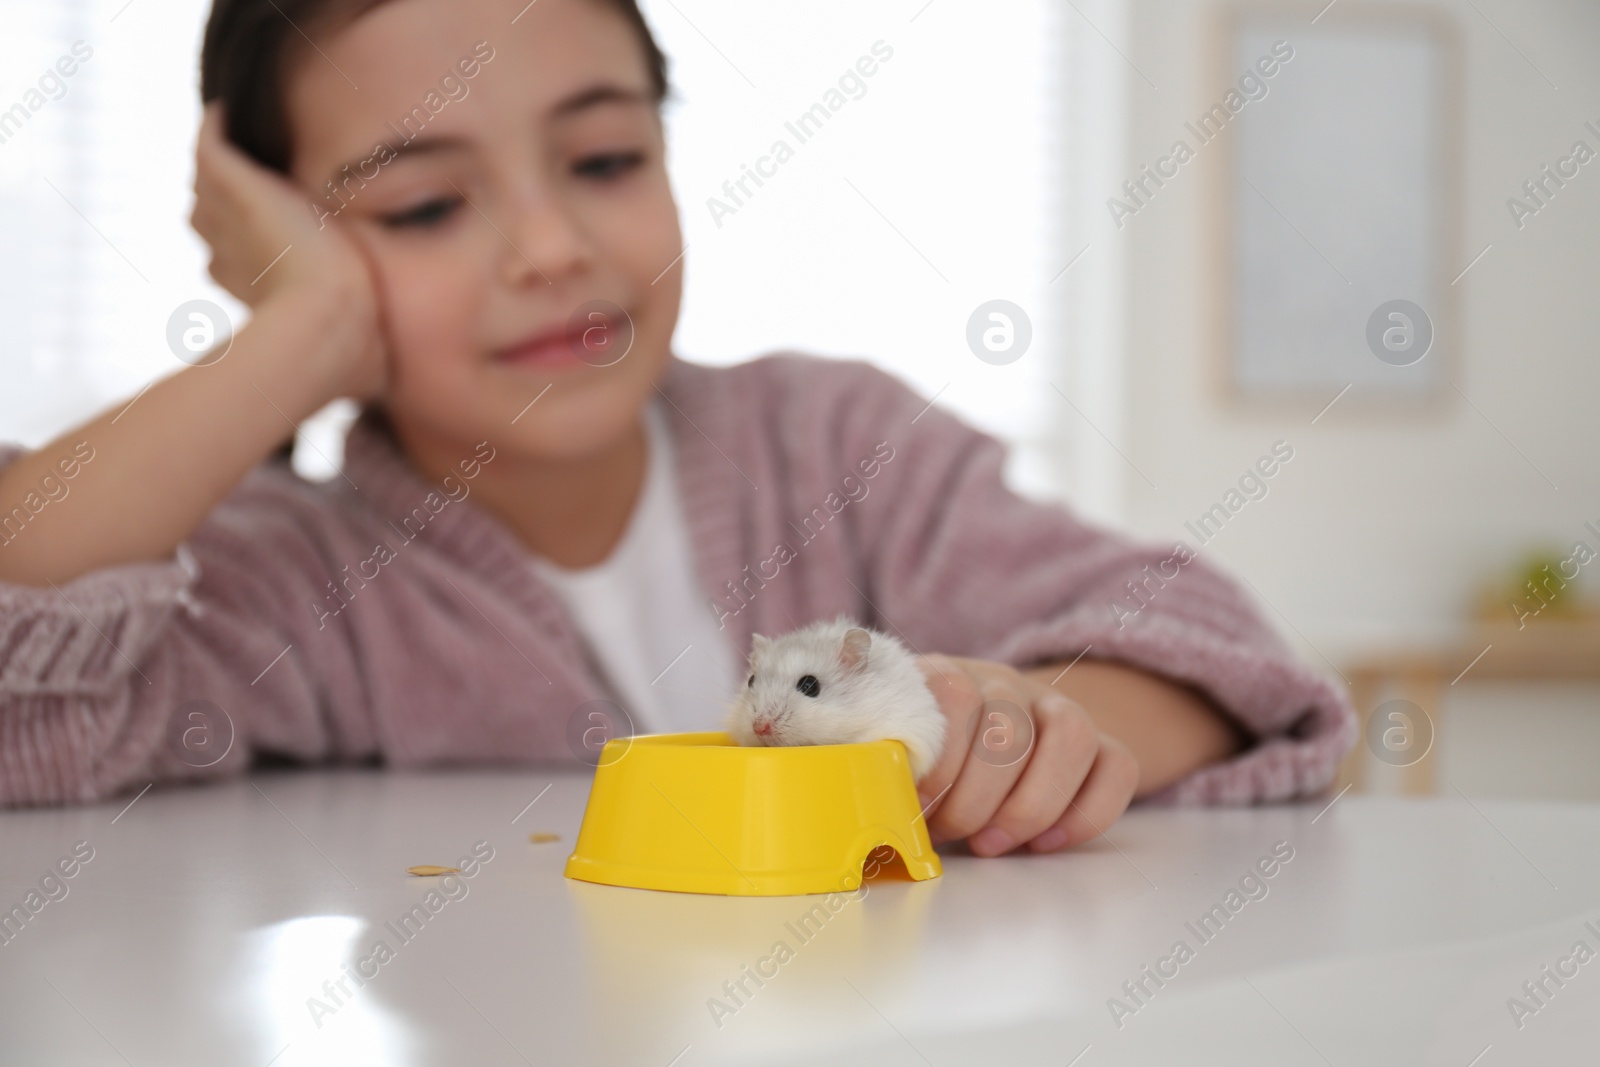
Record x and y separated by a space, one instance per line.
569 425
564 414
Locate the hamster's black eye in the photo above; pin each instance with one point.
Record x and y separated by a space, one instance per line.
752 681
809 685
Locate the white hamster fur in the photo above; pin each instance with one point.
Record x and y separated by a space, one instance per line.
864 686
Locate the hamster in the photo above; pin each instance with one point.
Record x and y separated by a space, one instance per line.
833 683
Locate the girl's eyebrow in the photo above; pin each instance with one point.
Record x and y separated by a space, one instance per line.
603 93
418 147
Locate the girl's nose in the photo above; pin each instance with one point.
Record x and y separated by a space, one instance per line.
544 243
763 727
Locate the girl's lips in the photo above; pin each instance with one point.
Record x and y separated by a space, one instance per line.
546 350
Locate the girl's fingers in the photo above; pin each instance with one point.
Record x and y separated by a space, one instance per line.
957 694
224 171
212 144
211 124
994 754
1100 801
216 160
251 215
1064 751
1021 763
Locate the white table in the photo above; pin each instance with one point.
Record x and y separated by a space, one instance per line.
209 916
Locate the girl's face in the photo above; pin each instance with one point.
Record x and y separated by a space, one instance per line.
533 183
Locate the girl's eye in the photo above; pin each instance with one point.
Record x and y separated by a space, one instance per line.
426 214
608 165
809 685
752 681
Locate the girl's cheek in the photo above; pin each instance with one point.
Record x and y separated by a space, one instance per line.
430 302
646 232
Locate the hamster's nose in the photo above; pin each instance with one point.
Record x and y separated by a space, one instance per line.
763 727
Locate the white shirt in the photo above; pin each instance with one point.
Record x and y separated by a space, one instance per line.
643 614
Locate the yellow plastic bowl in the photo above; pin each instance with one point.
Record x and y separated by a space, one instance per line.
699 813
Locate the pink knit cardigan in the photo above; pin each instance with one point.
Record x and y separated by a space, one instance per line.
376 616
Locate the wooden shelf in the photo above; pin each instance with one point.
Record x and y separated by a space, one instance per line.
1546 648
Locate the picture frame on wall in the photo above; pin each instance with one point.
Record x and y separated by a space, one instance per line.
1335 250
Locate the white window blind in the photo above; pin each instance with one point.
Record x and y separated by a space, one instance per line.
95 191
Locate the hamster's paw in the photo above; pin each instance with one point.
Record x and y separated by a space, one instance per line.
737 726
923 746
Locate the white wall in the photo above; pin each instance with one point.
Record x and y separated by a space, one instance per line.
925 195
1380 526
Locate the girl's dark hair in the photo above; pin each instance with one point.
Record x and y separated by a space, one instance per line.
248 44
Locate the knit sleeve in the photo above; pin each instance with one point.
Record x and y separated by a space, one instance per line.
158 671
963 565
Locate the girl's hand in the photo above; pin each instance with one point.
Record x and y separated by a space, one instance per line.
267 244
1022 762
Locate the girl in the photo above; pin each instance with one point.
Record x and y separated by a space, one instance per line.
543 511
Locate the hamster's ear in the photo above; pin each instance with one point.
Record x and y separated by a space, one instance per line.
758 644
853 649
